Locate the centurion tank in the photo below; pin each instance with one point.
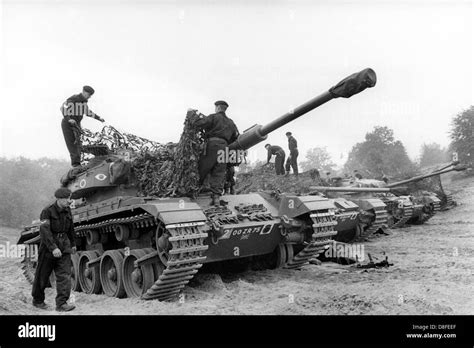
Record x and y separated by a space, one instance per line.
151 247
402 204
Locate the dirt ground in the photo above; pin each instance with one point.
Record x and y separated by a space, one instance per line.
432 274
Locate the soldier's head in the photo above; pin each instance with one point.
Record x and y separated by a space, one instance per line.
267 146
63 197
87 91
221 106
288 134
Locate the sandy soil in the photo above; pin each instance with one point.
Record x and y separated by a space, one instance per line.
432 274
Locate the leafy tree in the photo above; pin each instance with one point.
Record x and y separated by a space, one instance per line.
380 154
26 187
432 154
462 136
318 158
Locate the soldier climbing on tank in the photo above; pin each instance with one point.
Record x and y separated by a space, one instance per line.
57 244
73 110
220 131
279 158
292 158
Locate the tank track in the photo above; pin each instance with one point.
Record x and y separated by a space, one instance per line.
185 256
425 217
106 226
323 231
407 214
381 218
185 259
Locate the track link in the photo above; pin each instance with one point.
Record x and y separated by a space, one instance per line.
407 214
184 260
381 219
323 232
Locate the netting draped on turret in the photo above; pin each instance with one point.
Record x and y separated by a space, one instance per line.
160 169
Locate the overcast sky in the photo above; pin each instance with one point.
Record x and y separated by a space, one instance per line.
149 61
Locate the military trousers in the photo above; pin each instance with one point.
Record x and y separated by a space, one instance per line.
73 142
61 266
212 164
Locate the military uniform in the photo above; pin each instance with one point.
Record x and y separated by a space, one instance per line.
219 132
292 159
74 108
279 158
56 231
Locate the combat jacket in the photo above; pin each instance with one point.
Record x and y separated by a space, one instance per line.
292 144
57 228
218 125
274 150
75 107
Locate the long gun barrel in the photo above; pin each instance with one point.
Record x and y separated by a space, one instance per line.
349 189
421 177
348 87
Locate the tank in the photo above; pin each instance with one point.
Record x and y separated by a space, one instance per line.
402 205
151 247
430 193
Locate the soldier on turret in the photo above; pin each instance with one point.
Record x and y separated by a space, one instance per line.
220 131
73 110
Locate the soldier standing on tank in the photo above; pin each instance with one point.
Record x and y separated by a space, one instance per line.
57 244
230 179
73 110
279 158
220 131
292 158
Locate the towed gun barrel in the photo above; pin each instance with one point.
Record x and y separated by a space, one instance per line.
348 87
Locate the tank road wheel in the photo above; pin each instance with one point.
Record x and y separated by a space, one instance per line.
156 266
111 276
281 255
75 286
137 281
122 232
89 278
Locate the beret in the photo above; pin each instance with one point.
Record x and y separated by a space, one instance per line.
288 133
88 89
221 102
62 193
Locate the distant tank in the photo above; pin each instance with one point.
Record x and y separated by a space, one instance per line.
151 247
401 205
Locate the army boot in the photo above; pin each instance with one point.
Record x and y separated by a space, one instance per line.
65 308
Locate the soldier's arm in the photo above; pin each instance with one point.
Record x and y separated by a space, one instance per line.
205 122
269 156
89 113
235 135
70 235
45 231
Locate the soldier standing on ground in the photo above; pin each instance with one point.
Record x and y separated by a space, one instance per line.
57 244
279 158
220 131
292 158
73 110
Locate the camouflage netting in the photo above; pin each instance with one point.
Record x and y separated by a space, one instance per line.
161 170
264 178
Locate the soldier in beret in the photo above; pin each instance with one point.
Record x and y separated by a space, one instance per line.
73 110
57 244
219 131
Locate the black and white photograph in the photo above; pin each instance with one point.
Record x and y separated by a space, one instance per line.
233 160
